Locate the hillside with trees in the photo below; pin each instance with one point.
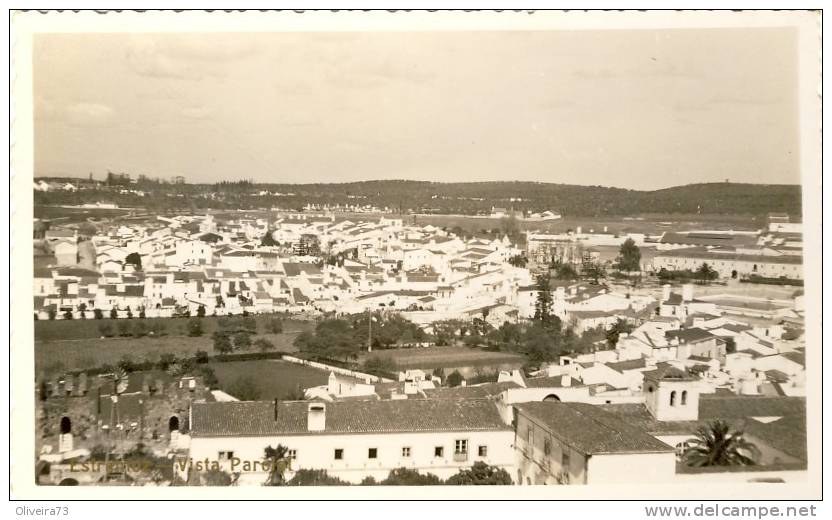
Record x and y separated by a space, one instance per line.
470 198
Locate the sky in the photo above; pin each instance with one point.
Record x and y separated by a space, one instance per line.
640 109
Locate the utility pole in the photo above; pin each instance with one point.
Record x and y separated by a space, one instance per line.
369 331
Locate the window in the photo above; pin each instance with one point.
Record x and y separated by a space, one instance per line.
684 397
406 452
482 451
681 448
460 447
225 455
439 451
564 459
372 453
673 398
292 454
339 454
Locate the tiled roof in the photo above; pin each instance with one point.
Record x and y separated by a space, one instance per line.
667 372
399 416
591 430
691 335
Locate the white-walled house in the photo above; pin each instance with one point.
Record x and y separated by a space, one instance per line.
353 440
579 443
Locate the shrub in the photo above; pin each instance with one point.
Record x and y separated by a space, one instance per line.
97 314
454 378
315 477
480 474
195 327
106 329
410 477
275 326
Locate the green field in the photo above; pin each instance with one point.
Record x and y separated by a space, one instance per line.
57 356
273 378
46 330
447 357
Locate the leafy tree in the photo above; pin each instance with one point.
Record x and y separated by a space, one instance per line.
220 301
142 313
113 313
410 477
195 327
134 259
222 343
314 477
244 389
480 474
454 378
268 240
543 303
200 311
165 361
242 340
614 332
629 256
510 227
68 315
595 272
201 357
51 313
97 314
518 261
214 477
278 458
565 271
717 444
705 273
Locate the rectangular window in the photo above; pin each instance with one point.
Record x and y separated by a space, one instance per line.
564 459
482 451
372 453
225 455
339 454
406 452
293 454
439 451
460 447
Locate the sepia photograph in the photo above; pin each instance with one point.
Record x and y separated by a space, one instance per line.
556 252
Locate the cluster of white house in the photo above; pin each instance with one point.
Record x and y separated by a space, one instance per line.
588 419
541 430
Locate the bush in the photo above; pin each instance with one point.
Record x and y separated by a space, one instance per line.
68 315
201 356
410 477
106 329
97 314
140 329
195 327
222 343
481 474
314 477
123 328
454 378
242 340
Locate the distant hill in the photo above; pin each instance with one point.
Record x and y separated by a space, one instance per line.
455 198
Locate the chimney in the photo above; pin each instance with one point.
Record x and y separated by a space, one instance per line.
665 292
566 380
316 417
687 292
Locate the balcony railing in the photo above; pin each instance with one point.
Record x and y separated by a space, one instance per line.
460 457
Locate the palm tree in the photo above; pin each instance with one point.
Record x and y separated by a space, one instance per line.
278 458
717 444
706 273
